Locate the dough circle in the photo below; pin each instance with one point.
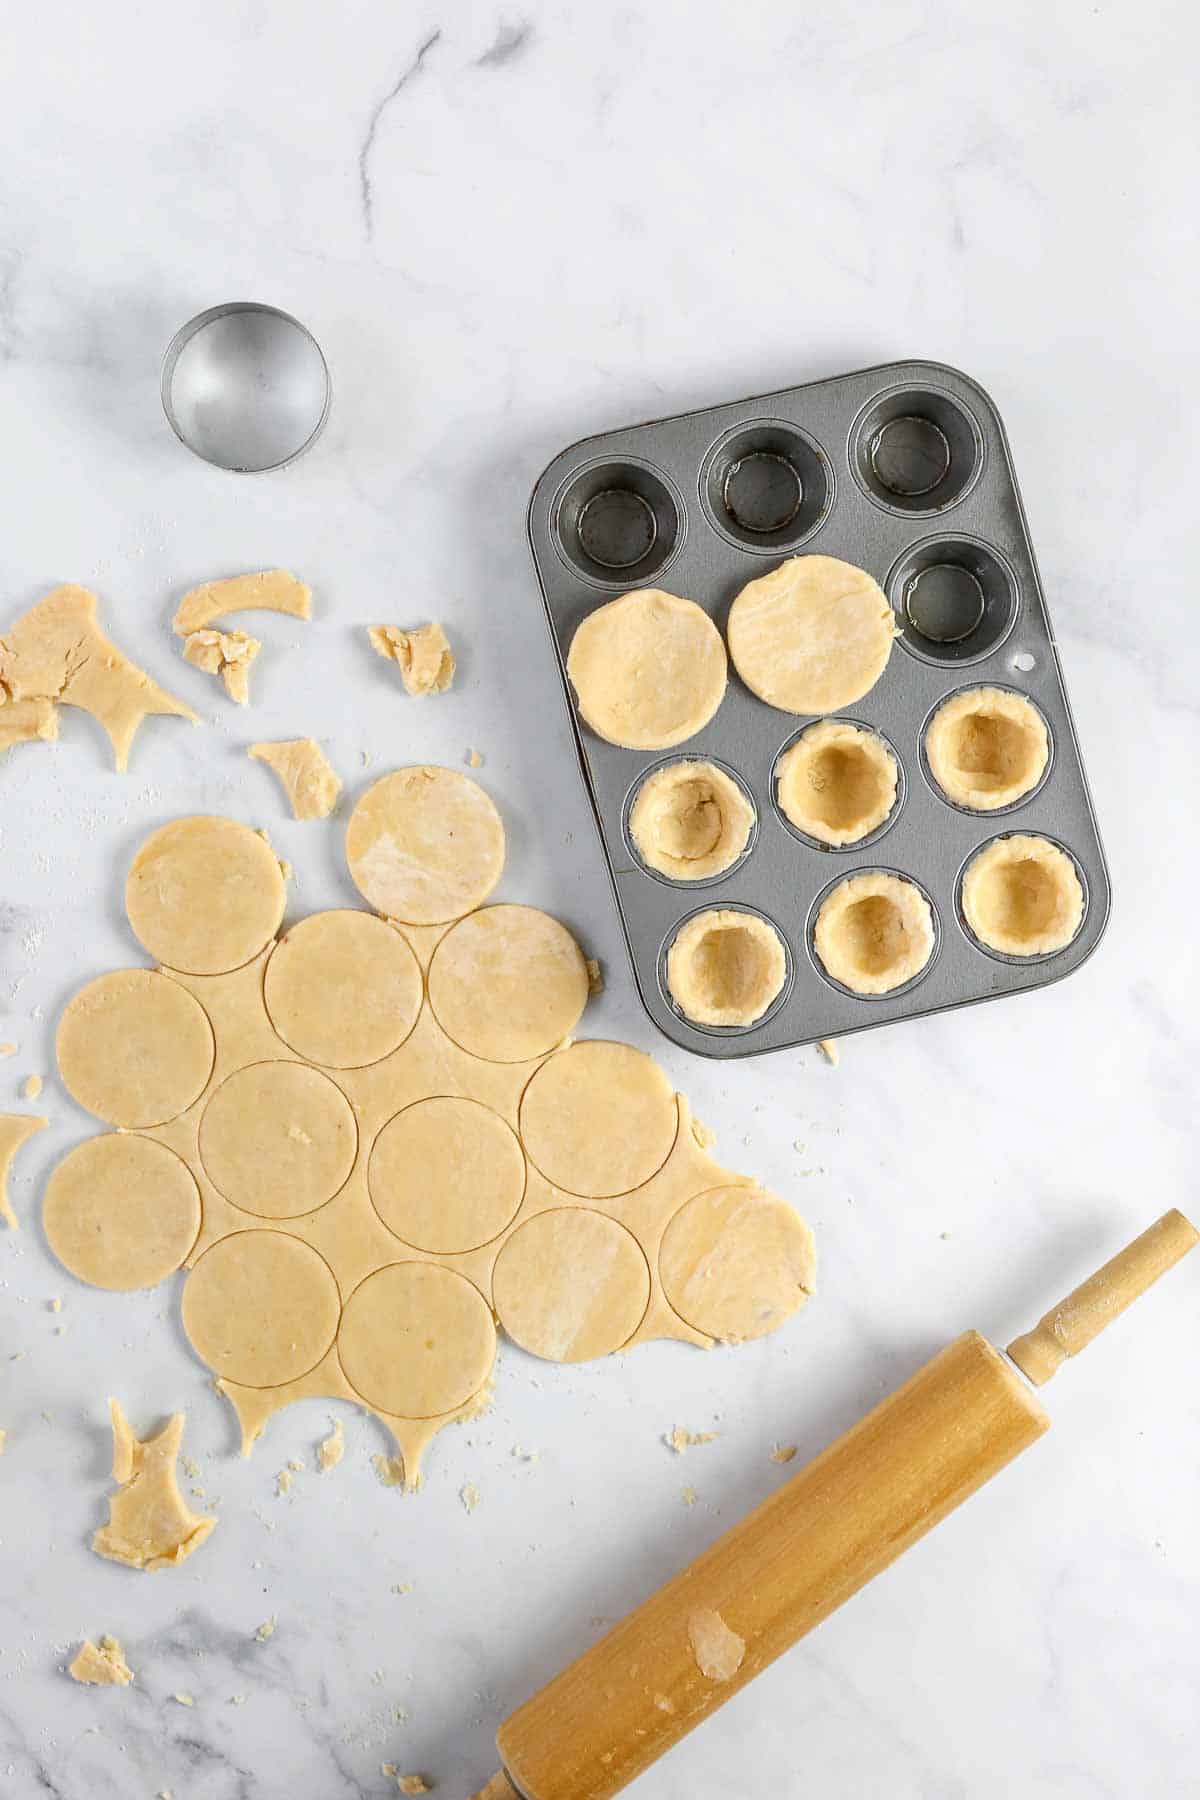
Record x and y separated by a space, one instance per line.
735 1262
121 1212
508 983
1022 896
447 1175
649 669
204 895
134 1048
726 968
598 1119
425 845
874 933
417 1340
261 1308
278 1139
571 1284
813 635
987 748
837 783
343 989
690 821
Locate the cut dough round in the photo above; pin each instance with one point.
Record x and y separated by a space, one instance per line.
813 635
1023 896
343 989
726 968
736 1262
690 821
204 895
278 1139
571 1284
447 1175
121 1212
837 783
599 1119
425 845
649 669
509 983
135 1048
261 1308
987 747
874 933
417 1340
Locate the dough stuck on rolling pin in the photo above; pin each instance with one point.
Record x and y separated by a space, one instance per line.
717 1650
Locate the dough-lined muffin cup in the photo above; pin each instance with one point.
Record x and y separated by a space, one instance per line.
1022 896
837 782
690 820
987 748
874 933
726 968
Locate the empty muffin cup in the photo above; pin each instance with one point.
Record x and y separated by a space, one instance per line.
726 968
916 450
955 599
618 523
766 486
1021 896
690 820
987 748
874 933
837 783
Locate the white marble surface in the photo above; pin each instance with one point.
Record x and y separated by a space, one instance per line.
509 227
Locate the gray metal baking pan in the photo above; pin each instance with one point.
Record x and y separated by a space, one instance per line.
906 471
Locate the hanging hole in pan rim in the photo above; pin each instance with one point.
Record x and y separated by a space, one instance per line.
955 599
766 486
617 522
916 450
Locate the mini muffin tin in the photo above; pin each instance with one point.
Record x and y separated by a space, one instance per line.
904 470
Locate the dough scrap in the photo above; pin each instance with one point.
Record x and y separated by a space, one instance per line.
150 1525
134 1048
508 983
1022 896
680 1438
56 652
690 821
417 1339
101 1665
736 1262
726 968
874 932
204 895
718 1650
599 1119
274 590
15 1128
26 721
224 653
331 1449
261 1308
987 747
649 669
309 780
811 636
571 1284
423 655
425 845
121 1212
447 1175
343 989
278 1139
837 783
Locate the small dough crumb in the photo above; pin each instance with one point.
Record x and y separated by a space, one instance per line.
273 590
308 780
331 1449
783 1453
681 1439
689 1496
413 1784
664 1703
227 654
8 1049
283 1483
390 1469
595 975
101 1665
718 1650
829 1050
474 759
423 656
184 1699
32 1087
470 1496
3 1441
150 1525
266 1630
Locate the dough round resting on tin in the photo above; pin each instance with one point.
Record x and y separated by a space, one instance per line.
987 747
508 983
874 933
204 895
735 1262
599 1119
447 1175
649 669
837 782
690 821
278 1139
417 1340
261 1308
425 845
571 1284
1022 896
343 989
121 1212
813 635
726 968
135 1048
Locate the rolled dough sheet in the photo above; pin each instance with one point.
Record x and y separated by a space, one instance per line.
135 1048
27 721
273 590
648 669
121 1211
508 983
343 989
811 636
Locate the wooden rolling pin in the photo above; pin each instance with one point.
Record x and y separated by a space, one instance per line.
814 1543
